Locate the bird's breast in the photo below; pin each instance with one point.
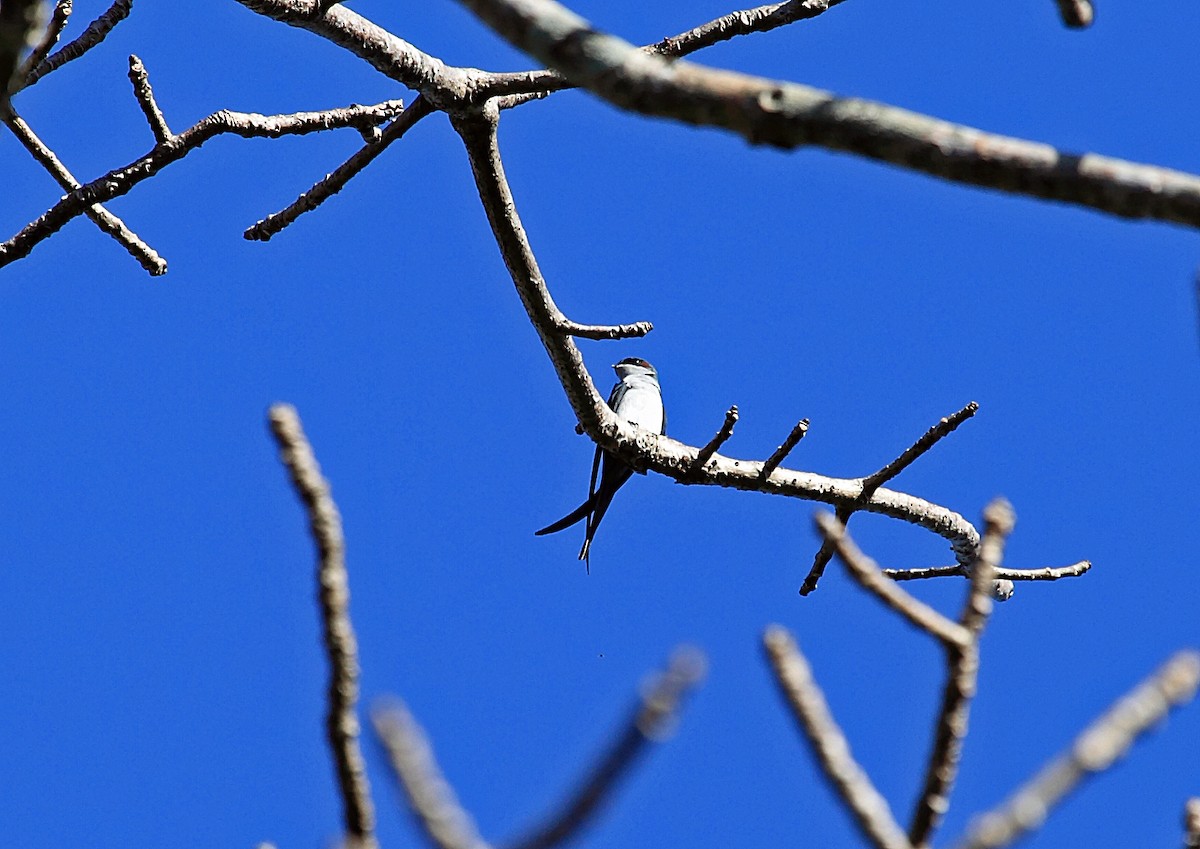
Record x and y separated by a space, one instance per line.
643 406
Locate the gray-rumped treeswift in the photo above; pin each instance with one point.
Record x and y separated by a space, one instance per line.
636 398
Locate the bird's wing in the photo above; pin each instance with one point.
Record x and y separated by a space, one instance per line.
614 397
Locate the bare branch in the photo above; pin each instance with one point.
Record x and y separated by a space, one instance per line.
1191 823
790 115
95 33
391 56
448 86
930 438
1046 573
872 482
334 182
720 438
146 256
866 572
20 21
121 180
799 689
962 660
524 86
793 439
602 331
1101 745
478 132
430 797
654 715
744 22
1076 14
145 98
641 449
342 725
58 22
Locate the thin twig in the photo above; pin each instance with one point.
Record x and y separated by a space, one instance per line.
522 87
121 180
930 438
430 797
654 715
1101 745
761 19
790 115
146 256
95 33
872 482
793 439
962 661
852 784
724 28
1076 14
145 98
719 438
866 572
334 182
54 30
342 724
604 331
1046 573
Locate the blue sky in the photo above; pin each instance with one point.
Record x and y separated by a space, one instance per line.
165 680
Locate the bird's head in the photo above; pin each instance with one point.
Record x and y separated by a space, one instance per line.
634 367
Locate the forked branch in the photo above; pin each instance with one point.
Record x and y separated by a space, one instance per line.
122 180
54 30
447 824
872 482
660 453
962 661
1095 750
652 718
92 35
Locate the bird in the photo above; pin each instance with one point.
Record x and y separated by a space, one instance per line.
637 398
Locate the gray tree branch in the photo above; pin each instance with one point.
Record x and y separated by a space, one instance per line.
790 115
1095 750
800 691
333 581
639 447
962 660
121 181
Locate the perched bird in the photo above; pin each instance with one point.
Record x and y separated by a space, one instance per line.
638 399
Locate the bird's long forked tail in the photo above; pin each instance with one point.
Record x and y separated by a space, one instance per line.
574 517
599 506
